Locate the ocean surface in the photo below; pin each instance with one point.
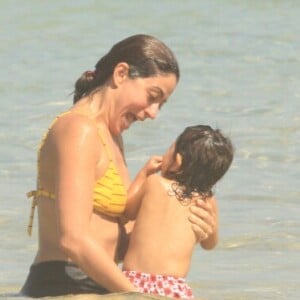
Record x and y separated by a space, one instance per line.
240 71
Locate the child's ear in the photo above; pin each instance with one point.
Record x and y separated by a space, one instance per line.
178 160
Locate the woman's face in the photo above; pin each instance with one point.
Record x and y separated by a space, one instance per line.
138 99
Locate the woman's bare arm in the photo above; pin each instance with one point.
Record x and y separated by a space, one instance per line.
77 152
204 220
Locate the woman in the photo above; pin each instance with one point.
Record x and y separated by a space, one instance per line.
83 179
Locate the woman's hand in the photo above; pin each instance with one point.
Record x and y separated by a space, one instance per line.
204 219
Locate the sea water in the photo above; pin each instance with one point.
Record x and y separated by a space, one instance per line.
240 71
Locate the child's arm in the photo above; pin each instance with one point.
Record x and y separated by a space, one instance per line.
135 191
204 221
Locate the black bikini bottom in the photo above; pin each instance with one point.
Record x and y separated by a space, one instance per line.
57 278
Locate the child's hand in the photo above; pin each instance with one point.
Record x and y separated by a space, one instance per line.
153 165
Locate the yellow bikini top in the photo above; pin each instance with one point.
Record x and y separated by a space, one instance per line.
109 193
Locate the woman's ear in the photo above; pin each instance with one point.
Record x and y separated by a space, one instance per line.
120 73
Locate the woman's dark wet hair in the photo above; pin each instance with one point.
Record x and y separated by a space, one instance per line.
206 156
146 56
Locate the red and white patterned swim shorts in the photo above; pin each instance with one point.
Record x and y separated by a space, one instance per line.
162 285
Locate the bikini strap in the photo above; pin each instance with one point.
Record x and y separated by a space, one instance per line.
105 145
43 140
39 191
34 195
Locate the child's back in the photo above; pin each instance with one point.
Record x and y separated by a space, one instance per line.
162 214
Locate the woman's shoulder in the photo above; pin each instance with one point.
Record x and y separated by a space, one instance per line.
74 124
75 132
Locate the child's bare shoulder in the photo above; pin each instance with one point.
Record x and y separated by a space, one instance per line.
156 182
153 179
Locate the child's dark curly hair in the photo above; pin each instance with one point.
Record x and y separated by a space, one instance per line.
206 156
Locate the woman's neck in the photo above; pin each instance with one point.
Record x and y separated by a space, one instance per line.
94 107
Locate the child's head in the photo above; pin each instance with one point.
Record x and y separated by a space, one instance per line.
198 159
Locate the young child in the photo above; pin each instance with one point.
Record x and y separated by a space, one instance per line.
162 241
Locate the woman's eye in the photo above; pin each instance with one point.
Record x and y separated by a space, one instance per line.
156 98
152 97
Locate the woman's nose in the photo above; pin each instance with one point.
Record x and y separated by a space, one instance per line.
152 110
